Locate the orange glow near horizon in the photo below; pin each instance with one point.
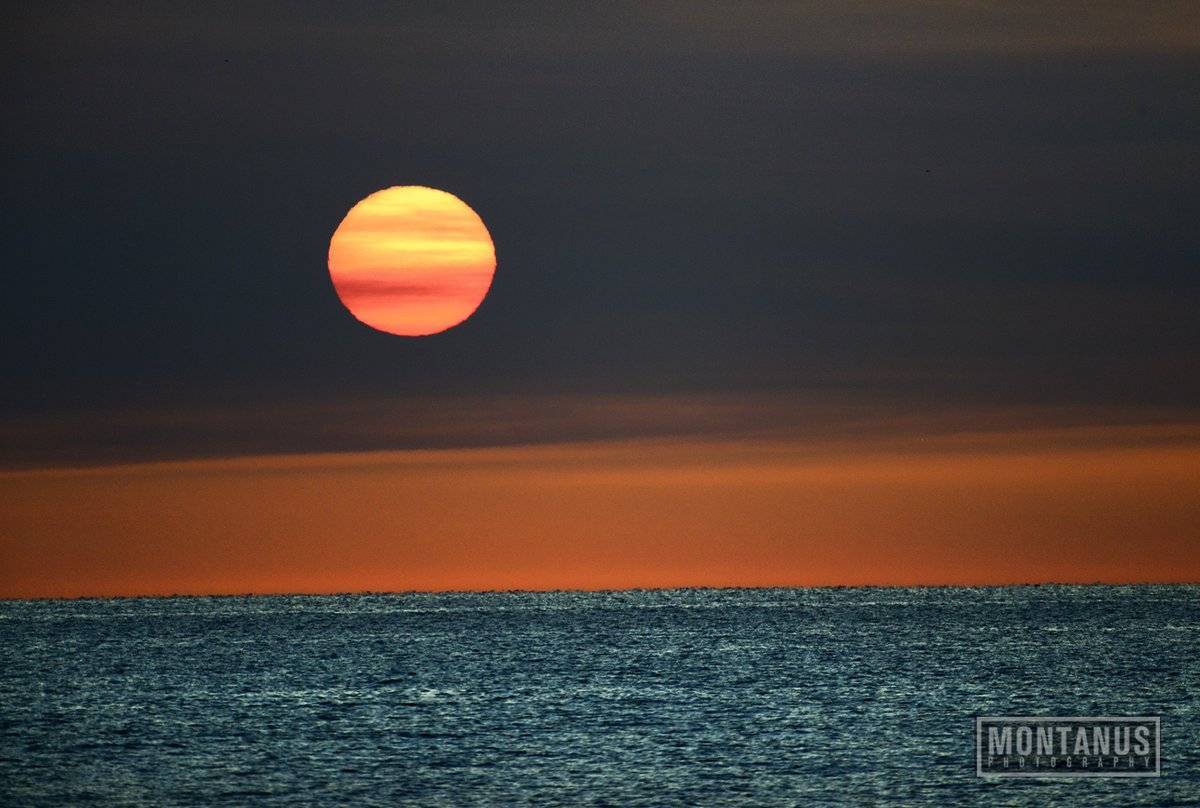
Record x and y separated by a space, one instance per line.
411 260
648 513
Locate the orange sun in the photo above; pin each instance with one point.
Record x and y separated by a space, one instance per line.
411 260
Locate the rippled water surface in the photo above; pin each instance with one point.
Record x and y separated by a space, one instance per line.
786 696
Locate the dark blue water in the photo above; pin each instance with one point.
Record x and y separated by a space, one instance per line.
812 697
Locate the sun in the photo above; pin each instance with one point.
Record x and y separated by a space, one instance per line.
412 261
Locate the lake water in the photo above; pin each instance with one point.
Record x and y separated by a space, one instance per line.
774 696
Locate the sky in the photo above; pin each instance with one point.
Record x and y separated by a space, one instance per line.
786 293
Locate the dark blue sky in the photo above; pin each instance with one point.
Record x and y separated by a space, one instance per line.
944 203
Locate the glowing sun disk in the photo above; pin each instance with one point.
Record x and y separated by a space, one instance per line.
411 260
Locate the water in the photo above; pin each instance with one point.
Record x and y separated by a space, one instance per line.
784 696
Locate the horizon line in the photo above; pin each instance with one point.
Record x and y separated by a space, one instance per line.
595 591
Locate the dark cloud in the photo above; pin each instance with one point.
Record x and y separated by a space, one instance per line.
977 202
133 434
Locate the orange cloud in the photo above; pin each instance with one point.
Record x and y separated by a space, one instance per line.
1116 504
